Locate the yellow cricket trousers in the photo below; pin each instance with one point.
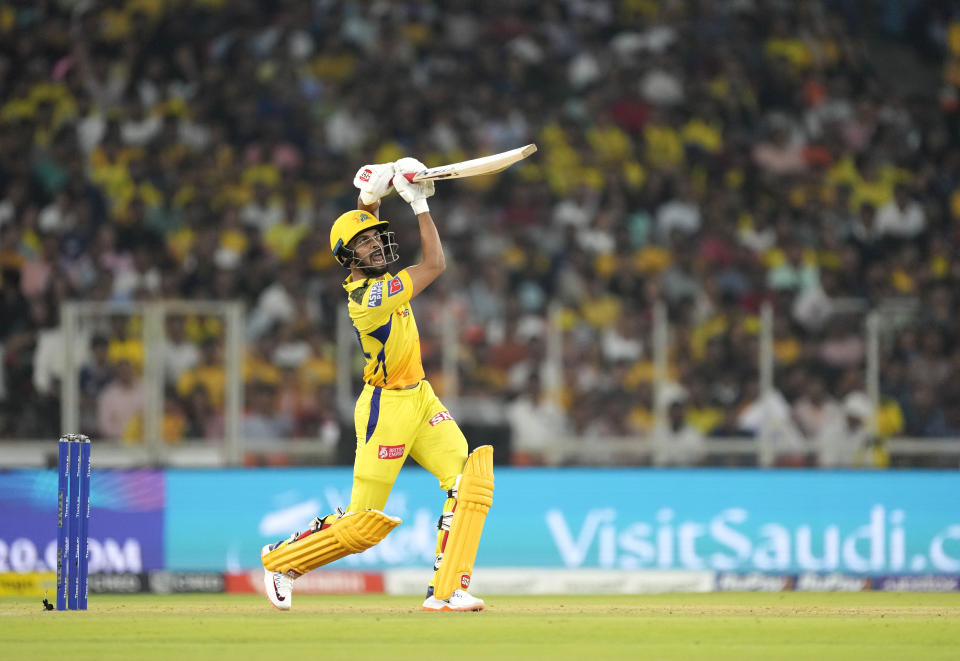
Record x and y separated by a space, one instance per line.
392 424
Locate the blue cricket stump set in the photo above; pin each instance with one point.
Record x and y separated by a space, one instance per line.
73 520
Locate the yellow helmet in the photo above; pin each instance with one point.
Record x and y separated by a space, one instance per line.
348 226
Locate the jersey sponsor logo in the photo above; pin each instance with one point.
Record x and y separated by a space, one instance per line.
440 417
465 581
376 294
391 451
395 286
403 312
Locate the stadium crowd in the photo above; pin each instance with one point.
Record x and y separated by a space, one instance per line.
710 155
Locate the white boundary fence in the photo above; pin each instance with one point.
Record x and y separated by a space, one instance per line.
233 447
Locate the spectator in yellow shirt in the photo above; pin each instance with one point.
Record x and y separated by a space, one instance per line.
283 238
209 373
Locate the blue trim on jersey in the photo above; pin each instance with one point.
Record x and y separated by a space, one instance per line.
374 412
381 335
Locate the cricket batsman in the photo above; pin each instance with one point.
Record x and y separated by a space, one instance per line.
397 414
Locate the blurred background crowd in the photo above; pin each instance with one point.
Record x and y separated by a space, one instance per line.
710 155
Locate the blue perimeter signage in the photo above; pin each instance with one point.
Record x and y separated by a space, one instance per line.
126 521
738 523
790 522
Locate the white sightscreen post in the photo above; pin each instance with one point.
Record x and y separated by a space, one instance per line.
661 339
765 440
450 358
766 349
70 383
233 358
345 344
153 379
872 329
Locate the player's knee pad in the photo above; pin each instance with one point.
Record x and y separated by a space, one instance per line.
474 494
352 533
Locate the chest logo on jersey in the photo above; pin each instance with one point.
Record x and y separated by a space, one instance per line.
391 451
440 417
376 294
395 286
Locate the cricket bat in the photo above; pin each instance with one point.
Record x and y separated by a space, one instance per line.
473 167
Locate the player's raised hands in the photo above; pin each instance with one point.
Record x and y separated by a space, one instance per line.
414 194
374 181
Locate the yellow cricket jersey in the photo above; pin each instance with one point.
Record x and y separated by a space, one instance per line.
381 315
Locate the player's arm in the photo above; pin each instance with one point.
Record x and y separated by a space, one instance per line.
433 262
373 208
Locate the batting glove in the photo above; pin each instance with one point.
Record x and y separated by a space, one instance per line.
414 194
374 181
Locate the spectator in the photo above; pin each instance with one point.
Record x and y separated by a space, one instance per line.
816 411
263 211
262 420
928 367
203 420
901 217
180 353
780 155
577 210
209 373
847 441
681 213
536 424
119 402
678 443
814 307
125 344
923 416
768 417
98 372
282 238
276 304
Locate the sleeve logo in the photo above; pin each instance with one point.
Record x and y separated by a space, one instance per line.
440 417
391 451
376 294
395 286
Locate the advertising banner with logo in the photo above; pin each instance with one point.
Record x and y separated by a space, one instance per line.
126 521
787 522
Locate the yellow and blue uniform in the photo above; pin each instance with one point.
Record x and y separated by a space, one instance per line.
387 330
397 413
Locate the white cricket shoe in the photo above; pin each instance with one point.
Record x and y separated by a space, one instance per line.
278 587
460 600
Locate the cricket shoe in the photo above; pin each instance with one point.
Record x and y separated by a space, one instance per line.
278 587
460 600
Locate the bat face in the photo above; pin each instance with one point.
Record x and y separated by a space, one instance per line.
474 167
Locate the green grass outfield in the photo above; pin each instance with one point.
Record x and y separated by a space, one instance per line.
719 626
